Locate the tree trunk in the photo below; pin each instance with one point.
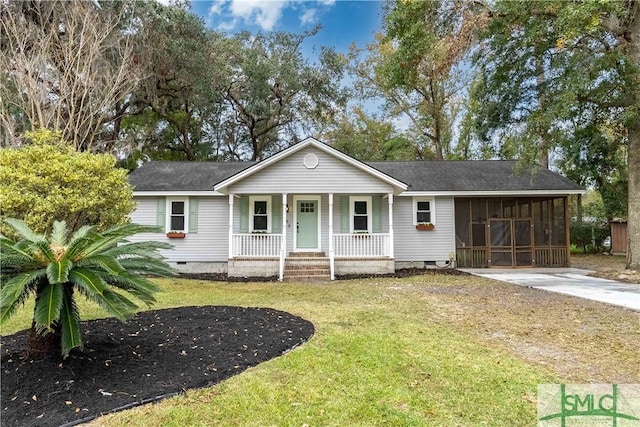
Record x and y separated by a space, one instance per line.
42 346
633 153
633 223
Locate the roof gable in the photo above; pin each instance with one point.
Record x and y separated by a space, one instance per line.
310 142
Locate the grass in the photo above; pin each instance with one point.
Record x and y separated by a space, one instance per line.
414 351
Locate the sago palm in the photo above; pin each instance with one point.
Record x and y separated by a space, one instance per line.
55 268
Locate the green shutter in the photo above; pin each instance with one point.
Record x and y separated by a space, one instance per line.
244 214
344 214
376 201
276 214
193 214
161 218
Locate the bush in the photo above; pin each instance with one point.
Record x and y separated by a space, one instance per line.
47 180
589 235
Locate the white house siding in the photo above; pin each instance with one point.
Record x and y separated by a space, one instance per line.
290 175
210 244
413 245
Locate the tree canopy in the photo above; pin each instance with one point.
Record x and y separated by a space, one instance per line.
565 76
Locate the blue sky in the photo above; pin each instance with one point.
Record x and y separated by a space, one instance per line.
343 22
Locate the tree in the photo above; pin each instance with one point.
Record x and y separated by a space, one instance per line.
417 66
55 268
47 180
588 53
64 66
369 139
172 113
272 90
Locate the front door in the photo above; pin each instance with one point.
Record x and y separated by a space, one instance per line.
307 224
510 241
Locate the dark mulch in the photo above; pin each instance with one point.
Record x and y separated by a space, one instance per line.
404 272
155 355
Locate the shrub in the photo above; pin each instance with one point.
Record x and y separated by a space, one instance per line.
46 180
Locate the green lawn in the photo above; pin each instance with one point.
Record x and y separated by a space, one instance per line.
385 352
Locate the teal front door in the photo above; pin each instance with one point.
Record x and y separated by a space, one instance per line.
307 227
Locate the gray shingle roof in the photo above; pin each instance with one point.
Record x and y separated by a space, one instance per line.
183 176
463 176
472 175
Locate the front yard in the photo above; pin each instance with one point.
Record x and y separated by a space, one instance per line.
425 350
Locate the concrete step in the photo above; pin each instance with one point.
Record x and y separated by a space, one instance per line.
307 272
323 278
307 262
307 255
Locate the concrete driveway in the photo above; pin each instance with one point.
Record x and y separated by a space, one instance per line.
570 281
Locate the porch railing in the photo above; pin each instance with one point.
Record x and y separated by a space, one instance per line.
361 245
552 256
257 245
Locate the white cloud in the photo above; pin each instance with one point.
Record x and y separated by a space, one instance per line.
265 13
216 8
309 16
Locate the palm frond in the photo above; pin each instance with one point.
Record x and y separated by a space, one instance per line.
118 305
22 248
138 286
106 263
147 266
58 272
10 264
48 305
59 233
138 248
88 280
42 250
81 232
23 230
114 235
71 334
13 291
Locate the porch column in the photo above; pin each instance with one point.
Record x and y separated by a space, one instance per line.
231 197
331 249
390 199
283 244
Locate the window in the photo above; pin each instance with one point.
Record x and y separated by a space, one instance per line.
423 211
260 214
360 214
177 220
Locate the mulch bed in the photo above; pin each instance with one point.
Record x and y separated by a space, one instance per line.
404 272
155 355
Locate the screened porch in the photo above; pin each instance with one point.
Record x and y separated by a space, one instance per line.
512 232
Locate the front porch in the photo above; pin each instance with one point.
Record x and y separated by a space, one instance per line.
257 255
269 233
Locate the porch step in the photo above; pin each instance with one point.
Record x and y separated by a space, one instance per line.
307 255
307 268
